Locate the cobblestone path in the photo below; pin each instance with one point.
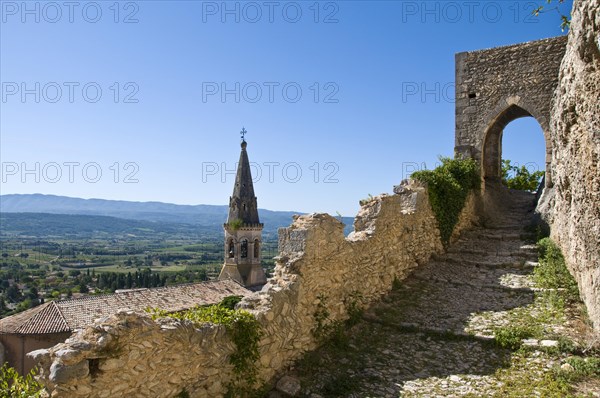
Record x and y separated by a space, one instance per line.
433 335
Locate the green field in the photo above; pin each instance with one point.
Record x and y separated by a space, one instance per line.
39 264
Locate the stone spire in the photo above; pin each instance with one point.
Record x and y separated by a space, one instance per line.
242 204
243 230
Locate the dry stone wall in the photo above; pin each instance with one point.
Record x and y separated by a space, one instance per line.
575 133
318 268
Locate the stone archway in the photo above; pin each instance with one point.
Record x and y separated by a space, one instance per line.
491 151
495 87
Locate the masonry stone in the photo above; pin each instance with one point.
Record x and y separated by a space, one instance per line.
129 354
243 230
288 385
499 85
575 136
317 265
556 81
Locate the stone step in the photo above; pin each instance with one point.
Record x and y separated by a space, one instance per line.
488 235
411 327
488 263
476 284
474 249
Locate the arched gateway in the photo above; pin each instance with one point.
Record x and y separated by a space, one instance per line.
495 87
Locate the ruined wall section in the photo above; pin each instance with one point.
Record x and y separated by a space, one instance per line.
131 355
575 132
498 85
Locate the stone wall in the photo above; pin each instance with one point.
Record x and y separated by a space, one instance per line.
499 85
575 132
131 355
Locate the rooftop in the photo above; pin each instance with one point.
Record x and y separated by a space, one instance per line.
68 315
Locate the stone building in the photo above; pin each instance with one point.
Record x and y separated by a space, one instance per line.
243 229
53 322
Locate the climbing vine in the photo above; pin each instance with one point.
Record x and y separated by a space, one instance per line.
448 186
243 329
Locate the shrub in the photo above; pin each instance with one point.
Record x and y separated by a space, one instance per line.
448 186
230 301
521 178
13 384
511 336
581 368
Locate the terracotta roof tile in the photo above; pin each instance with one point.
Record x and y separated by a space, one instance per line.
68 315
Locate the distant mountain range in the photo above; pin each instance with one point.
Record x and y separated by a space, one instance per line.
201 215
79 226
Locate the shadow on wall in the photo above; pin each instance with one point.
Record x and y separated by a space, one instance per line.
131 354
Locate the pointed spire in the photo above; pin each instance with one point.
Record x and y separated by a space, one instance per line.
242 204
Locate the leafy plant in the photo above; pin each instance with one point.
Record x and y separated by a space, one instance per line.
520 178
13 384
367 200
448 186
236 224
243 329
321 317
565 20
396 284
229 302
552 272
581 368
354 308
511 336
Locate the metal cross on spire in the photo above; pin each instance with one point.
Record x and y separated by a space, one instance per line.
243 133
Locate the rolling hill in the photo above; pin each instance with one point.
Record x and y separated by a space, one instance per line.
209 216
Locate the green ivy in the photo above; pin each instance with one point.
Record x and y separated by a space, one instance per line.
243 329
448 186
13 384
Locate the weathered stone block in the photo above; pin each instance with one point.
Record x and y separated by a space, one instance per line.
60 373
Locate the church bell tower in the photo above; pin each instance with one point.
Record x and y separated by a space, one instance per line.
243 229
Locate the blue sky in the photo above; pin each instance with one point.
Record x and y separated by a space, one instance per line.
145 100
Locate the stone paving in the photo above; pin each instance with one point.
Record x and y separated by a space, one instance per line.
432 336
